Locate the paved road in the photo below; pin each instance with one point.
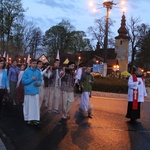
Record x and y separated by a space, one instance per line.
107 130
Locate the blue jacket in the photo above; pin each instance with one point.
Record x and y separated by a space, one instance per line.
13 73
4 81
29 82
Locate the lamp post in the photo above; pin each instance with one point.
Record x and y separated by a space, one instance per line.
97 61
10 60
108 5
24 60
79 58
116 68
19 60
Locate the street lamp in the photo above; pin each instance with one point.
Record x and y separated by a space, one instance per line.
19 60
24 60
97 61
116 68
108 5
79 58
10 60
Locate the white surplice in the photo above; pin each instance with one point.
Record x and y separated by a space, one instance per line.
31 108
134 85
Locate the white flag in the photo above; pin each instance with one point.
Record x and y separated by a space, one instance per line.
57 57
28 59
4 55
7 58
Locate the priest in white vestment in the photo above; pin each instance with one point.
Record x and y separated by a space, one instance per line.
136 94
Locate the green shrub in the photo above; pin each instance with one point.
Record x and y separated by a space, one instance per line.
109 84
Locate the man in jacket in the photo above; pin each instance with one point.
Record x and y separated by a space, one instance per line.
86 85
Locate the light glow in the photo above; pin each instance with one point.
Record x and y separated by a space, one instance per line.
123 9
94 10
123 3
91 4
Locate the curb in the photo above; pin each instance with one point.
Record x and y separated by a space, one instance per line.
110 95
113 95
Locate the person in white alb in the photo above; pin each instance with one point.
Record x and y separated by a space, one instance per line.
136 94
31 80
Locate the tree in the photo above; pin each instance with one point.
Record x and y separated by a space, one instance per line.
55 39
64 38
10 14
79 42
35 41
98 32
135 33
143 55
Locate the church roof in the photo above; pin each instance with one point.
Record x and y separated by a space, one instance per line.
122 30
89 57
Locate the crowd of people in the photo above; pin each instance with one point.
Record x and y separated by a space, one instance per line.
38 84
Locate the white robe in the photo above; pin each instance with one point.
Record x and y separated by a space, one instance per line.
19 78
79 74
84 102
134 85
31 109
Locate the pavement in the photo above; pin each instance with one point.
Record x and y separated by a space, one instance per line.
108 129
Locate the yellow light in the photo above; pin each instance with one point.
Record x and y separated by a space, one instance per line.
117 66
91 4
123 2
123 9
114 66
94 10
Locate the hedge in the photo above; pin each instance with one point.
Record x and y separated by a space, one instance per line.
109 84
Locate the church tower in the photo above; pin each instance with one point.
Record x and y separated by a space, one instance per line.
122 46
